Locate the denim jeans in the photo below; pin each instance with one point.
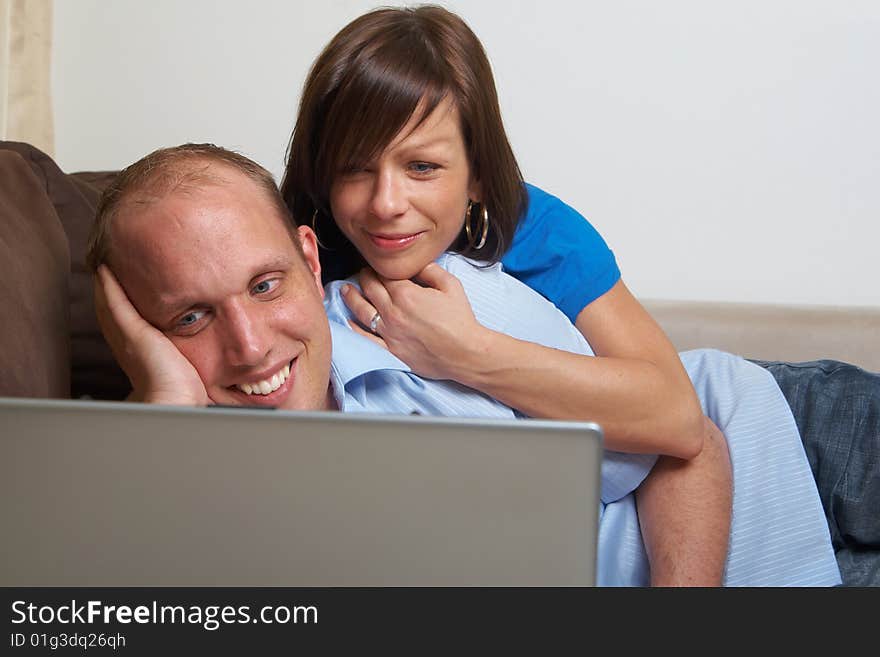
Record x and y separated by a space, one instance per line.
837 409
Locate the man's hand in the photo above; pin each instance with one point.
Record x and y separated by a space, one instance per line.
158 372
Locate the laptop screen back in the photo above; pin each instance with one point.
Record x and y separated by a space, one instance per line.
119 494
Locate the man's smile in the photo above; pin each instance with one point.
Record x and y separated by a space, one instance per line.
270 389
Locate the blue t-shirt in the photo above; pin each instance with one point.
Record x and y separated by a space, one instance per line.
559 254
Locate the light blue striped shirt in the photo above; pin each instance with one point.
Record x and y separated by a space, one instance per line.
779 536
374 380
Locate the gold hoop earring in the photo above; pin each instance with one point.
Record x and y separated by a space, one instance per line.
483 229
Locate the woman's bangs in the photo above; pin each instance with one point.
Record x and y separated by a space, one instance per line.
371 107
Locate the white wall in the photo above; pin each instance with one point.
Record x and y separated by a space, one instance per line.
727 151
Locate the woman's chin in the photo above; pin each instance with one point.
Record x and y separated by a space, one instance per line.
399 271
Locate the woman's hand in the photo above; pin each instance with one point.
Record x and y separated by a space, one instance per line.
158 372
427 324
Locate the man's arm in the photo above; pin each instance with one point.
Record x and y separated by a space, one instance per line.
158 372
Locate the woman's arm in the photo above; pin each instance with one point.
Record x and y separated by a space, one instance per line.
623 334
636 388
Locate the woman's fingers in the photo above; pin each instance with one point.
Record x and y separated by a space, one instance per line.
374 291
388 308
433 275
360 307
370 336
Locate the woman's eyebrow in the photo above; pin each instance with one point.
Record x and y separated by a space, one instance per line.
426 144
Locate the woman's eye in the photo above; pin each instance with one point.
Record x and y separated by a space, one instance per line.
423 167
265 286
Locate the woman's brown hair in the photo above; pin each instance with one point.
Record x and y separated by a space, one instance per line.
363 89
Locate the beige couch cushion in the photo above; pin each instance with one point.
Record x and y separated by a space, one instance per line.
789 333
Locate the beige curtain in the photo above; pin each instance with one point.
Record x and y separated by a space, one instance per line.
25 84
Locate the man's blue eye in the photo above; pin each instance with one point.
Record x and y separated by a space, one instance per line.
265 286
190 318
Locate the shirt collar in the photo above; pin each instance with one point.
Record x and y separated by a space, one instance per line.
354 356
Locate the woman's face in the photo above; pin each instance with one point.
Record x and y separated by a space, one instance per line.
407 206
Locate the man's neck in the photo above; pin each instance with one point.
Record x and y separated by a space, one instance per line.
330 400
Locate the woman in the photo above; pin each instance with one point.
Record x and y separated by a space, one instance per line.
398 144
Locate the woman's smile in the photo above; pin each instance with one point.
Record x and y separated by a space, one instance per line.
394 241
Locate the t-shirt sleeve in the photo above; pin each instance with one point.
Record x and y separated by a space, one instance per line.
559 254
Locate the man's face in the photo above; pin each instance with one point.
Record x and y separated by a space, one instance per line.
216 270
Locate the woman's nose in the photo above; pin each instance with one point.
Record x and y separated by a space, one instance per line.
389 195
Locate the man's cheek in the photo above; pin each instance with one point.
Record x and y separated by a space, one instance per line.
205 362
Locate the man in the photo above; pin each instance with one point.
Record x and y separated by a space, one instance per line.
222 303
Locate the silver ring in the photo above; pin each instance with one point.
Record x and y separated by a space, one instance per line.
374 323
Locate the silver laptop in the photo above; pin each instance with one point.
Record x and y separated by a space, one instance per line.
120 494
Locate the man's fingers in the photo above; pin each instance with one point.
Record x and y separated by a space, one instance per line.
110 295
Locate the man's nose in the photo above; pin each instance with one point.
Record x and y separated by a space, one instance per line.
247 339
389 195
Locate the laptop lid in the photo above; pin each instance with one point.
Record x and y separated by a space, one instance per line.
122 494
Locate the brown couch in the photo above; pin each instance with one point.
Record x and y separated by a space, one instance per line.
50 344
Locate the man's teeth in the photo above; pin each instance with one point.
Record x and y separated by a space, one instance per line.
266 386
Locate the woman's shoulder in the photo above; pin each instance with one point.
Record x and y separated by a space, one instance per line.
543 200
559 253
542 206
549 217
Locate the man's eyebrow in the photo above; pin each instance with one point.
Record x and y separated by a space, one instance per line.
277 263
173 304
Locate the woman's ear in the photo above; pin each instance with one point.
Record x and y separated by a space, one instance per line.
475 191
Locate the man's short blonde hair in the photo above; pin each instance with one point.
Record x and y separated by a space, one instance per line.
183 168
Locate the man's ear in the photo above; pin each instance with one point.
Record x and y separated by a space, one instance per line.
309 243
